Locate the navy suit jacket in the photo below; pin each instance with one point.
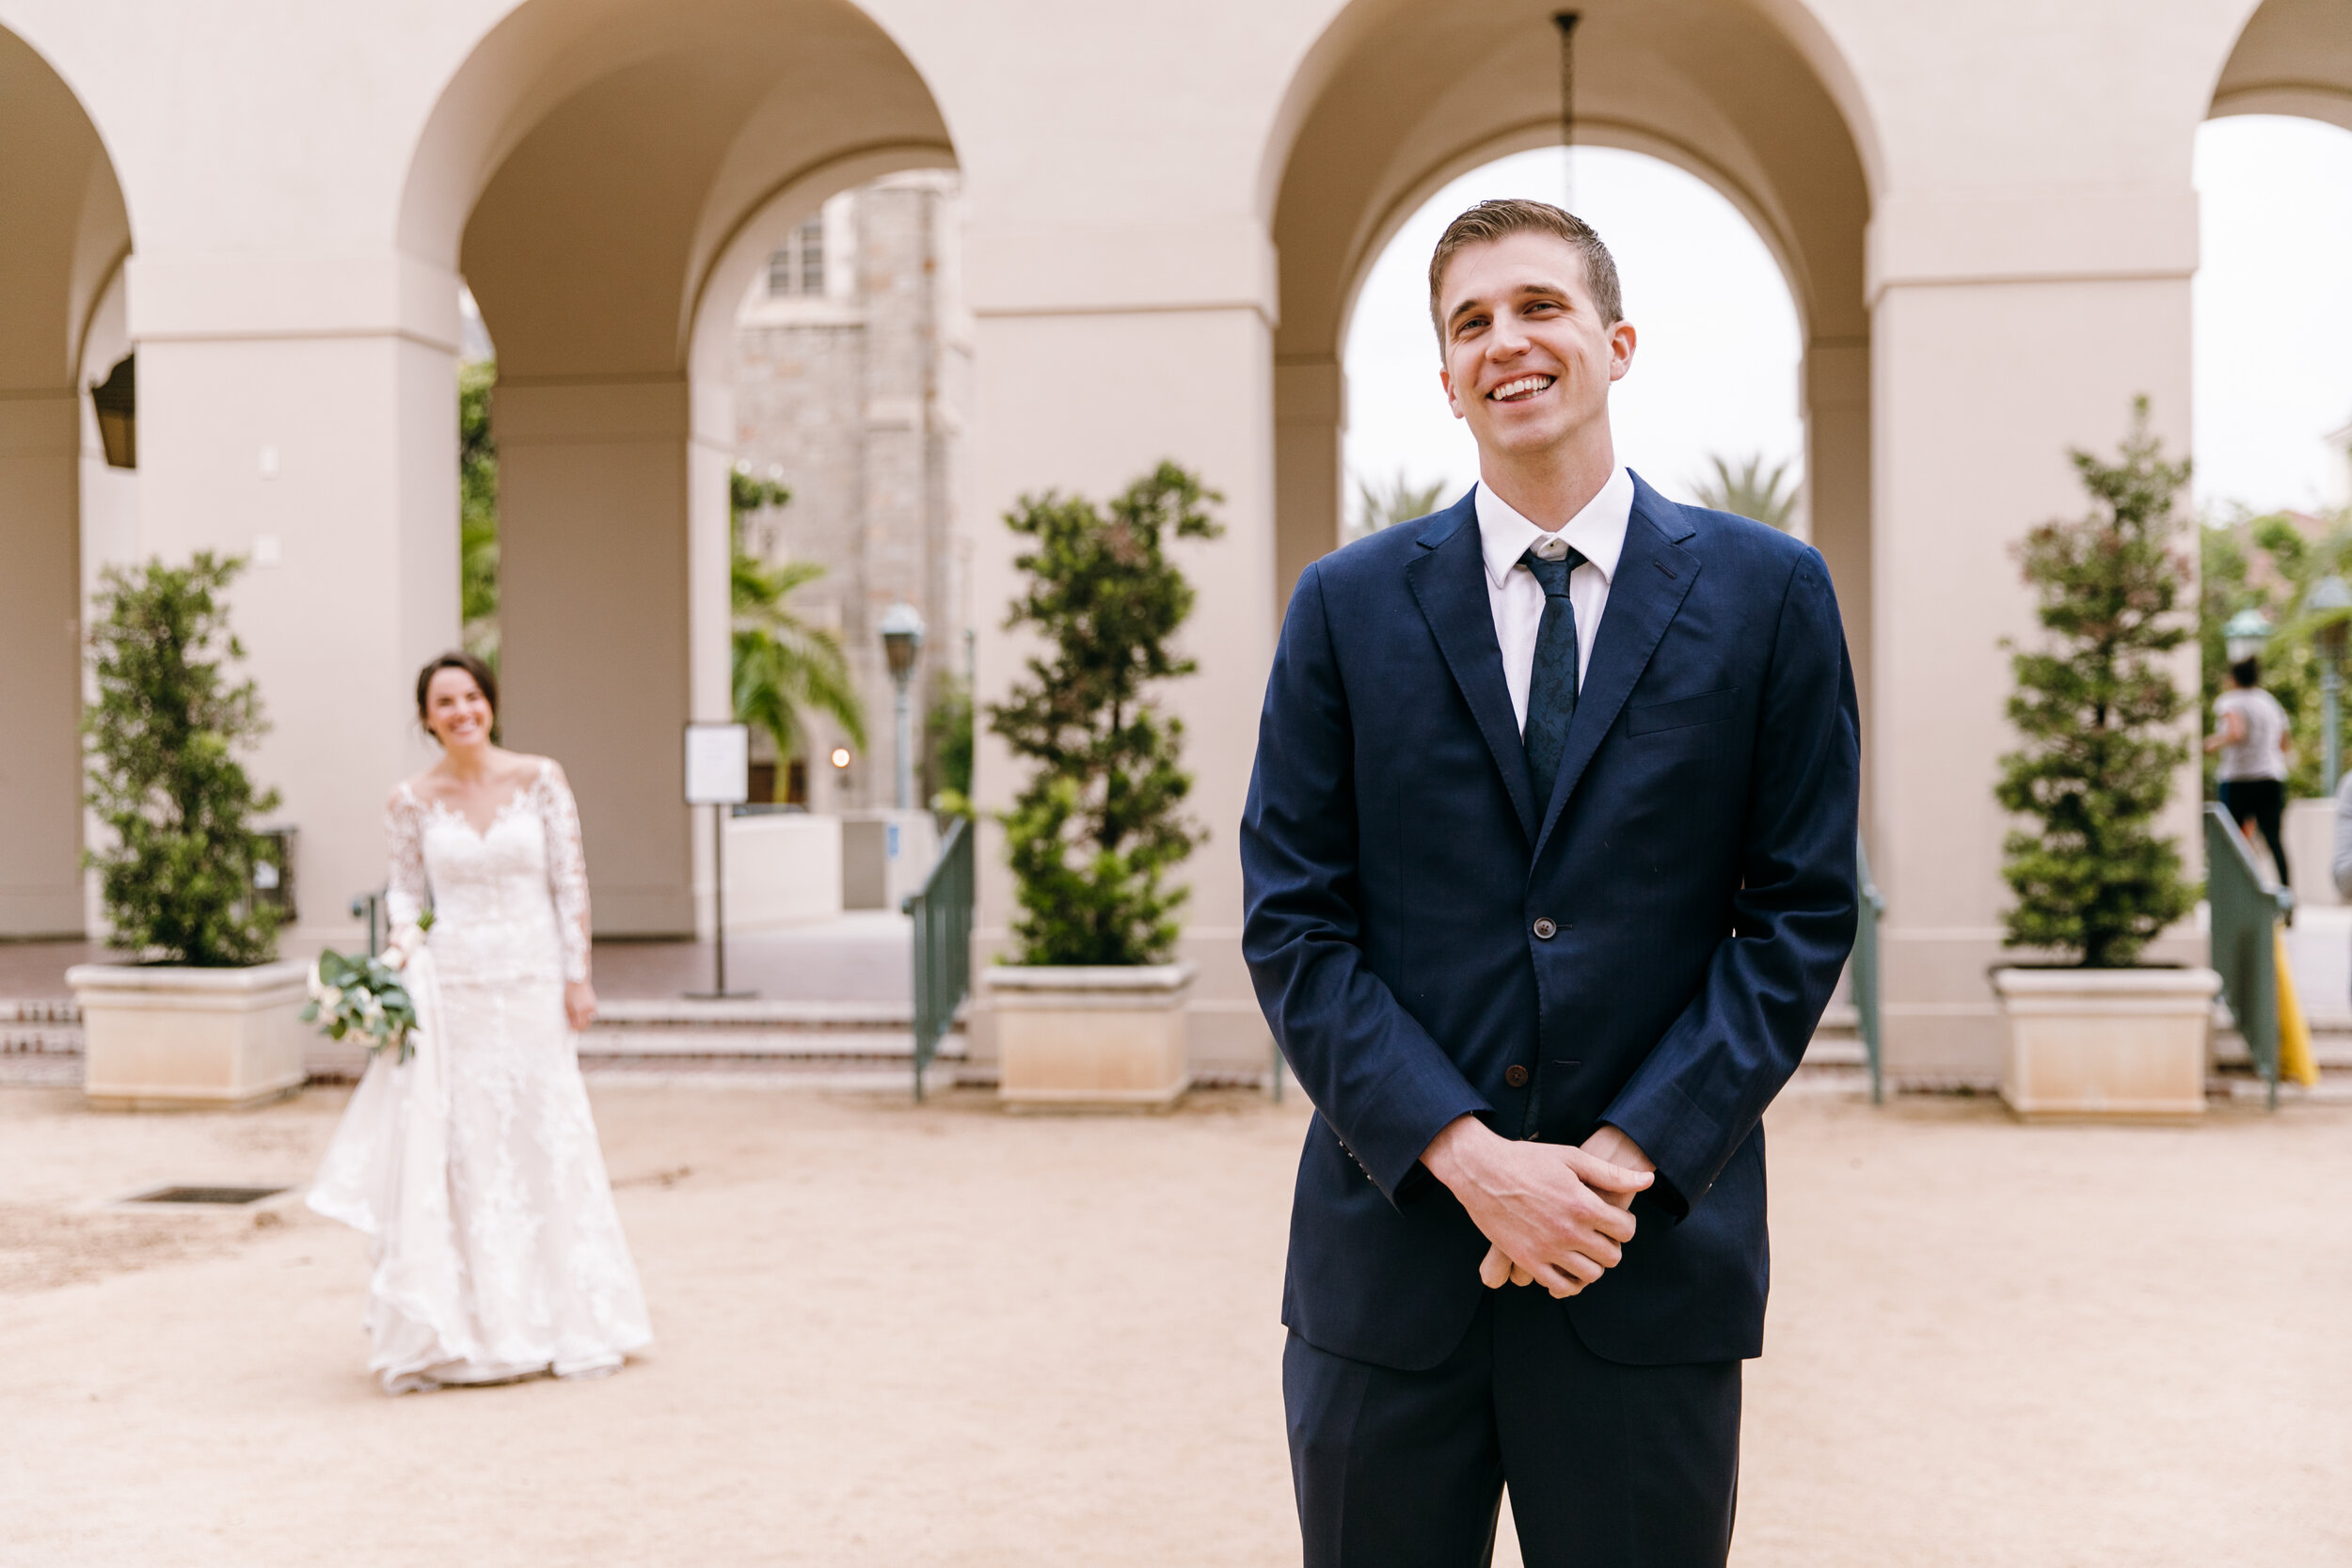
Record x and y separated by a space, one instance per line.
1697 863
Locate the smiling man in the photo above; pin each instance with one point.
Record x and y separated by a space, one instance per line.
1548 861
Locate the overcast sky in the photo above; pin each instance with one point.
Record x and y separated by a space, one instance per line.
1716 370
2274 311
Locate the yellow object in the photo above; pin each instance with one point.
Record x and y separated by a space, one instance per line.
2295 1035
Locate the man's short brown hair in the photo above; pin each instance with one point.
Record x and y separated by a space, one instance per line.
1491 220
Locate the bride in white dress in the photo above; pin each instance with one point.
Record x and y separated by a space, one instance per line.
473 1168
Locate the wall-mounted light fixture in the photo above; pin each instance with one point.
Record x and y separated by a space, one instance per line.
118 403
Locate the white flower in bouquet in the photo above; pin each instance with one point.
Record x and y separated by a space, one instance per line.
403 946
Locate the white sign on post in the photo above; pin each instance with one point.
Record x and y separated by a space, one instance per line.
717 764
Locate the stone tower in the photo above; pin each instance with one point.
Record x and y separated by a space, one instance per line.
853 374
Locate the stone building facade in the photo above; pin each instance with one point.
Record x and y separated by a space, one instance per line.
852 383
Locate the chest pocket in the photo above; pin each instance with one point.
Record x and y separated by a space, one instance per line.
1681 713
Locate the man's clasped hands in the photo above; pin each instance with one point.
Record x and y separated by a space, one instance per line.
1556 1215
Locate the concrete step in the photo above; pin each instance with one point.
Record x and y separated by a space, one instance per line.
40 1042
39 1028
681 1030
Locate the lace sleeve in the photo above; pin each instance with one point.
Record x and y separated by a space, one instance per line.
568 870
403 882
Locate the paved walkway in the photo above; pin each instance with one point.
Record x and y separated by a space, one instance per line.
892 1336
864 957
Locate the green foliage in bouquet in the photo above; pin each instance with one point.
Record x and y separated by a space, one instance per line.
163 773
362 996
1098 825
2100 717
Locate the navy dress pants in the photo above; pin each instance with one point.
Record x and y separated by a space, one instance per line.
1608 1465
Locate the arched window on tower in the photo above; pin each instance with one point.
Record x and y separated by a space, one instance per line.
797 267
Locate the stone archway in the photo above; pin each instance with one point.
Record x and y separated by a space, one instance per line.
603 182
2293 57
1398 97
2268 372
68 233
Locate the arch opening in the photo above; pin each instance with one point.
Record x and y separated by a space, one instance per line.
1715 376
2271 397
2293 57
1401 95
60 330
606 183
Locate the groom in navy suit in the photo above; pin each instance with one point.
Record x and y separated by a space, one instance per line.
1549 869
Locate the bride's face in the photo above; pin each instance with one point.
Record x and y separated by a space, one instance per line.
456 711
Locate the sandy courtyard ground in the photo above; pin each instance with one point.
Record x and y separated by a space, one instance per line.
944 1336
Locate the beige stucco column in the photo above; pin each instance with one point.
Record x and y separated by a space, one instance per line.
594 623
2005 330
1837 484
300 412
1310 420
40 880
1099 354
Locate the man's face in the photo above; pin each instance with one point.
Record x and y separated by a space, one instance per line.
1527 358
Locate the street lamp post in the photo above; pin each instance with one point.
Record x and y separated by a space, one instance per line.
2330 597
902 642
2246 634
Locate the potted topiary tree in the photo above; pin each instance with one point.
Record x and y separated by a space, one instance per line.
207 1019
2100 714
1092 1008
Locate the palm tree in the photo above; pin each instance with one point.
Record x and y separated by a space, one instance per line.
784 667
1749 490
1399 500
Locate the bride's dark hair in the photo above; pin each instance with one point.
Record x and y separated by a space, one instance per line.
472 666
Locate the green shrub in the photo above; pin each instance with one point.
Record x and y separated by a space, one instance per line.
177 876
1098 825
947 749
2100 717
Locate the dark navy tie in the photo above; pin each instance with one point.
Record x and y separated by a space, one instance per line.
1552 685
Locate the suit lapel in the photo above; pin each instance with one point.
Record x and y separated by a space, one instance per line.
1449 582
1654 574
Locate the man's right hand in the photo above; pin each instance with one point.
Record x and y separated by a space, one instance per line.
1548 1207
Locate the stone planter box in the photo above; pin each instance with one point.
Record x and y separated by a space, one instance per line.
2106 1042
161 1038
1103 1038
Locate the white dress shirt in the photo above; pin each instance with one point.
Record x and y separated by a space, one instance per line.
1518 599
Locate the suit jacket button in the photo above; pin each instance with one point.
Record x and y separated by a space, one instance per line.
1545 928
1516 1076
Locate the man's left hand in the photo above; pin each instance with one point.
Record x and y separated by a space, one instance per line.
1611 1144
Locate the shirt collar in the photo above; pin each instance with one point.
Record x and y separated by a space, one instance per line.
1597 532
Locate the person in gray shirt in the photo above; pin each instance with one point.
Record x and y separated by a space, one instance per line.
2251 733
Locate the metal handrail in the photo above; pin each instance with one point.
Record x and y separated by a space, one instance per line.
942 944
2244 910
1866 967
370 907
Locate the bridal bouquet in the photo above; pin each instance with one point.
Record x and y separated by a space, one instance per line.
364 996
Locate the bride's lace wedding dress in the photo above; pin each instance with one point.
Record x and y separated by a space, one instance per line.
473 1167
